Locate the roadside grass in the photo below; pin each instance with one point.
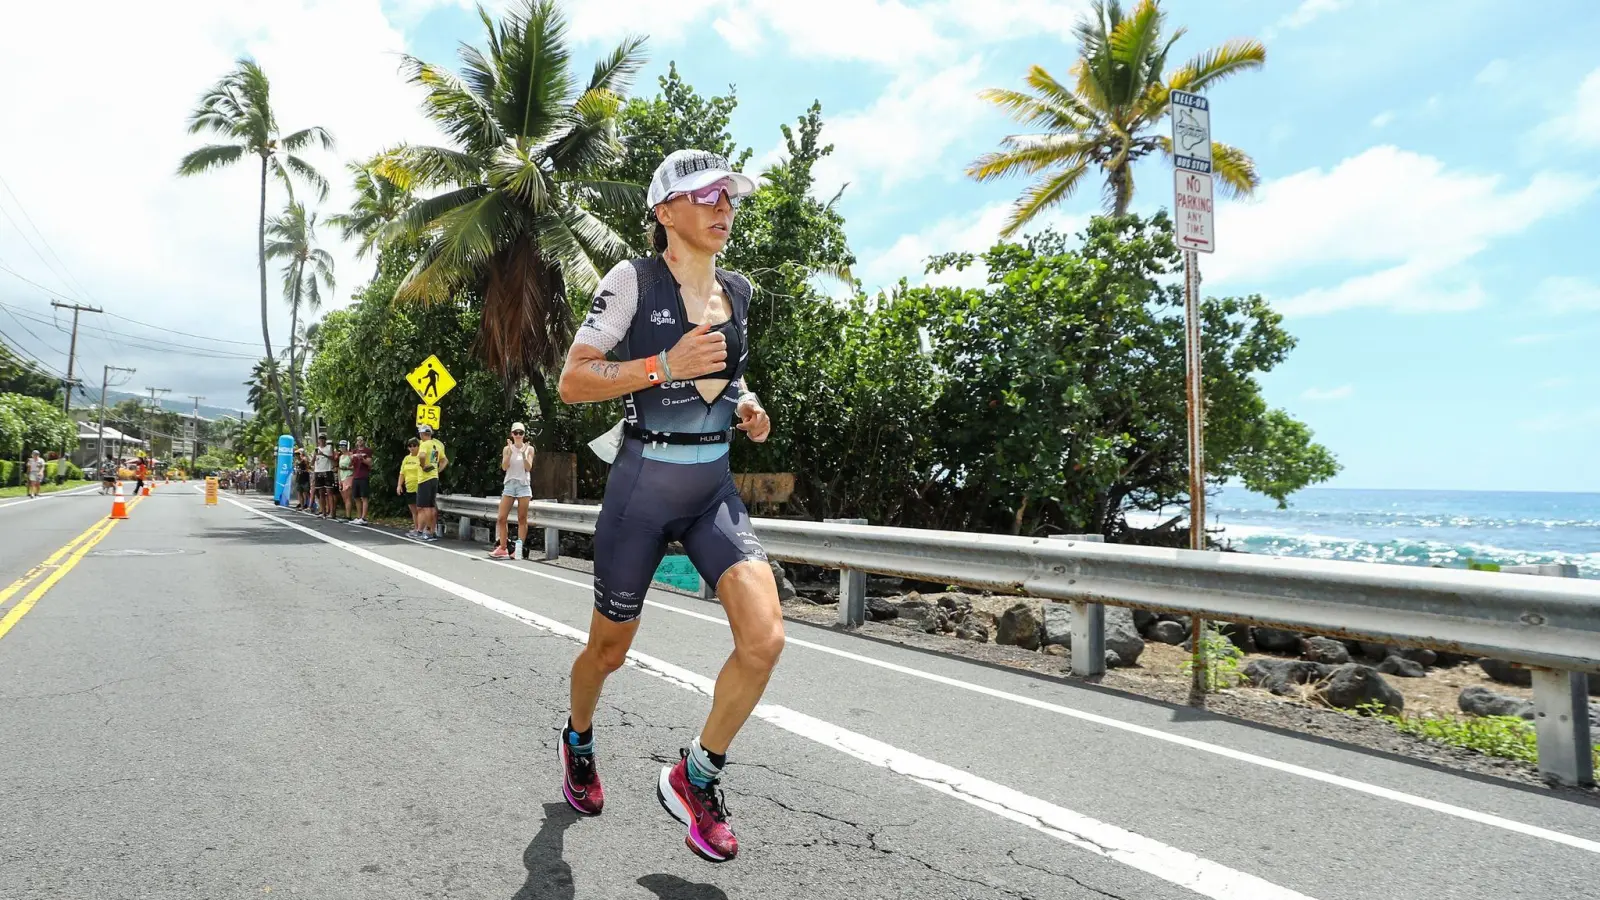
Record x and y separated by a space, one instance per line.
1508 737
21 490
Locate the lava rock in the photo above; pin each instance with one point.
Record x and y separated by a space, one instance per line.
1055 650
1168 632
881 610
1114 660
1376 652
1276 640
972 631
1450 660
1280 675
1143 619
1477 700
1405 668
1020 626
1419 655
1122 636
1353 685
1506 673
1057 624
1325 650
786 591
1240 635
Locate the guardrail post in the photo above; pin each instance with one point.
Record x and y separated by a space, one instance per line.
1088 624
1561 708
552 543
464 528
707 592
852 587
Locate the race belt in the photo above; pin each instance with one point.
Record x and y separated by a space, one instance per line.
677 438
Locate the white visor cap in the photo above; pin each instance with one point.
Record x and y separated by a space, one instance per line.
691 170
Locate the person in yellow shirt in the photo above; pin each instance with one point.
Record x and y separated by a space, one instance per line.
432 459
406 486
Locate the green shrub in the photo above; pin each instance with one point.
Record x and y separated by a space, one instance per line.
1508 737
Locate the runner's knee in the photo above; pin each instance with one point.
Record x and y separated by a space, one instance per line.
761 651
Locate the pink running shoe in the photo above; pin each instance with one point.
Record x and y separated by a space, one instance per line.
499 553
702 809
580 783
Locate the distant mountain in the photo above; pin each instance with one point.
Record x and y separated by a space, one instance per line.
114 397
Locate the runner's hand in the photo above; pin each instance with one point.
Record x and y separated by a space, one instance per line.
700 352
753 421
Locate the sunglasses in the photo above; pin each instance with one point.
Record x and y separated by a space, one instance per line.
517 432
707 196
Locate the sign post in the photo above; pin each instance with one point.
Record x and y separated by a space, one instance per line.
1194 228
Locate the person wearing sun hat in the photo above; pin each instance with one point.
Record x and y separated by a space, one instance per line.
431 460
676 326
516 461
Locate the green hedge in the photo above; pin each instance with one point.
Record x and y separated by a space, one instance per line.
12 472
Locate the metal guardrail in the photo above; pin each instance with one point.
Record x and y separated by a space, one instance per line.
1551 625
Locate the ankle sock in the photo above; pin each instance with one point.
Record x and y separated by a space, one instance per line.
704 767
580 743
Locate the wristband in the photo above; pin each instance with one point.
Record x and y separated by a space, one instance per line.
651 369
666 368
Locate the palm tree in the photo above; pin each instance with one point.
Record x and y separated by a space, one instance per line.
1120 94
514 227
239 108
379 202
309 269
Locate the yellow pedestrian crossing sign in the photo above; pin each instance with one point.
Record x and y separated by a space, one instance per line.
431 380
428 414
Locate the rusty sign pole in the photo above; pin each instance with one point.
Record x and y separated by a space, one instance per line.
1194 230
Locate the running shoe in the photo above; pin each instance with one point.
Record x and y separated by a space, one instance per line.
499 553
704 810
413 533
580 783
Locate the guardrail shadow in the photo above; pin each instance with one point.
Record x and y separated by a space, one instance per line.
1188 713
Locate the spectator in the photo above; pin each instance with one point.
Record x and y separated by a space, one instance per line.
322 475
346 479
406 487
360 471
302 476
516 460
108 475
35 473
432 459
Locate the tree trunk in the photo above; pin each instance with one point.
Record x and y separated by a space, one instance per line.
266 334
547 412
294 369
1122 196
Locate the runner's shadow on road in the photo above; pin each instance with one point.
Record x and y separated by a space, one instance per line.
671 887
549 874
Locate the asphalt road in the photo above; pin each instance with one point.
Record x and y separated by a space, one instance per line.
234 701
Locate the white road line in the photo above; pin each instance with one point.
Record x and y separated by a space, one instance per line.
74 491
1179 867
1374 790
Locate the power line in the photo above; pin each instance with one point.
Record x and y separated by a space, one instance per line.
73 282
35 250
15 274
143 343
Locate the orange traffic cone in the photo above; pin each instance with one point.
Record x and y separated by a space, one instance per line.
147 490
119 510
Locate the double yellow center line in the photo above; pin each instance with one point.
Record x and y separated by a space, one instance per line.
43 577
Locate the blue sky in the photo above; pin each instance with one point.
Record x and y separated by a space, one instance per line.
1428 172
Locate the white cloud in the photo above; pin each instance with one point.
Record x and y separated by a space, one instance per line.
1580 125
1307 12
1339 393
1565 293
905 133
973 233
1494 72
739 30
184 249
1554 384
1403 215
1383 118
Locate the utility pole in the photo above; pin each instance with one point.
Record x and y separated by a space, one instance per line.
105 377
72 355
150 436
194 442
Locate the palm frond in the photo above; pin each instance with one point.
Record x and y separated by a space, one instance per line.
1042 195
1218 63
536 74
1131 43
453 106
615 195
422 217
1026 109
589 141
309 174
431 279
1048 88
1235 170
306 137
1032 156
602 248
414 166
211 156
525 181
614 73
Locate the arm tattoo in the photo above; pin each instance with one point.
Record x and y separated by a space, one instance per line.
606 370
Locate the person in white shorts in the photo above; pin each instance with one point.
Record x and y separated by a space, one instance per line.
517 463
516 460
36 475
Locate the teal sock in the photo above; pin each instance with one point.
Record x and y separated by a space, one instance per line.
702 769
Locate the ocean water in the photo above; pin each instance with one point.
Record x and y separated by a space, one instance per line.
1420 528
